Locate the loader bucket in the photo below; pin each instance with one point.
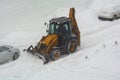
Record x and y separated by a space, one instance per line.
32 50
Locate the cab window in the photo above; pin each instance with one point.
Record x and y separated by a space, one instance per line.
66 26
53 27
3 48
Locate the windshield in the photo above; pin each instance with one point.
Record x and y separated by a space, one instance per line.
53 28
3 48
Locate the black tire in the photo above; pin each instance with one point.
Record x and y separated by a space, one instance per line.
101 18
71 46
114 18
15 56
55 54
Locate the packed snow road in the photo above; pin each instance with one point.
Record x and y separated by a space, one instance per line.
79 63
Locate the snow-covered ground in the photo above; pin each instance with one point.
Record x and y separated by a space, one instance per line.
22 24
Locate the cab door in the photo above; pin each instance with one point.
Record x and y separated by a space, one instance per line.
65 31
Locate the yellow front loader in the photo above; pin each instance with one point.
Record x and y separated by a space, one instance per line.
63 38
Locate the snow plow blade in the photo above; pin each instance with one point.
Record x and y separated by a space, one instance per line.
32 50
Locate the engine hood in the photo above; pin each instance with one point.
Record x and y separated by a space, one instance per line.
49 38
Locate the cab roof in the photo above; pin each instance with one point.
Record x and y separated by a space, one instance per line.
60 20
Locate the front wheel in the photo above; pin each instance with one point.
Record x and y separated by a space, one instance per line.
55 54
15 56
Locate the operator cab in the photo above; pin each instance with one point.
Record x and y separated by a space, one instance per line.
60 26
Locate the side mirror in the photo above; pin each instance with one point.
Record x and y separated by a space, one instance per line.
47 31
46 24
9 50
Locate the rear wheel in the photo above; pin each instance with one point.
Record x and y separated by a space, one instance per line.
55 54
15 56
71 46
114 18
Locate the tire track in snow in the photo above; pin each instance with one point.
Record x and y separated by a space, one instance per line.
101 28
92 36
82 54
